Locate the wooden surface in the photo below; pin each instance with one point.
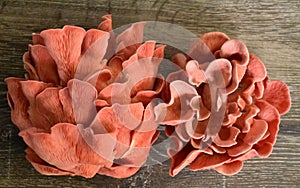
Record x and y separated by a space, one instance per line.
270 29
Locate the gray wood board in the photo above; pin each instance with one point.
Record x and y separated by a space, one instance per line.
270 29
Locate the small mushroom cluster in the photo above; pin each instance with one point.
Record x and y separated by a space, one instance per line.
237 111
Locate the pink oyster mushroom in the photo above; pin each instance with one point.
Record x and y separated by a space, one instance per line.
68 108
252 108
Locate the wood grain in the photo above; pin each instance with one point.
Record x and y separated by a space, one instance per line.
270 29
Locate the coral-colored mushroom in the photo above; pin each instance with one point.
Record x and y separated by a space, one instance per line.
66 110
252 114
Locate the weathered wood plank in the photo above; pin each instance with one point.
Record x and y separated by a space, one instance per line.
271 30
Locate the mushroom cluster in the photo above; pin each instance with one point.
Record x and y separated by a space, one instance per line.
81 113
233 111
91 102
